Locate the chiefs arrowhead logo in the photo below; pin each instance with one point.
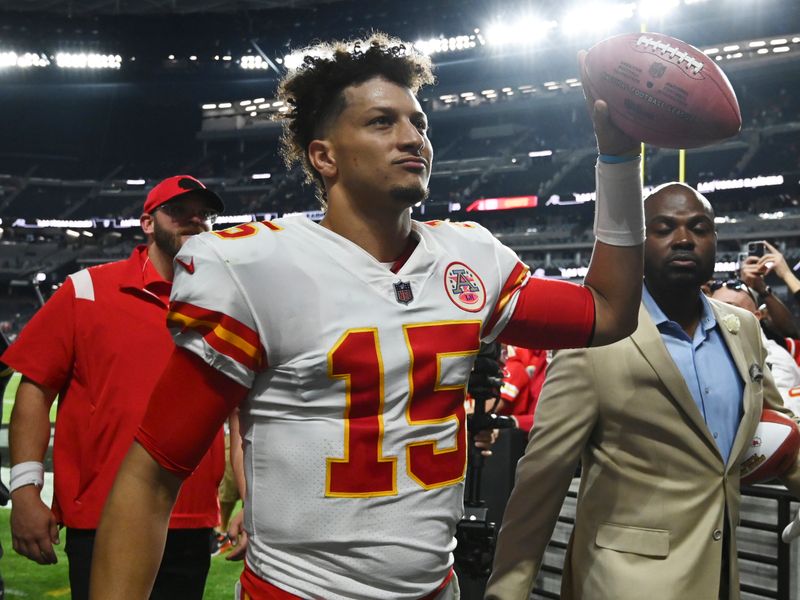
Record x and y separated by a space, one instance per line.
188 266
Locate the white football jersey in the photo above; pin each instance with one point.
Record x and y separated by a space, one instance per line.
354 428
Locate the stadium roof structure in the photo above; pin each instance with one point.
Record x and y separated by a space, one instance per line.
152 7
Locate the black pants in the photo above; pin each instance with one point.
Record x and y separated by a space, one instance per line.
182 574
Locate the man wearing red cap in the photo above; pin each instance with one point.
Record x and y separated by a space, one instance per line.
100 343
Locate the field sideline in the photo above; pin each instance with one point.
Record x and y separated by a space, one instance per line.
26 579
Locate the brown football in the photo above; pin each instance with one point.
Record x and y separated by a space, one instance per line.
662 91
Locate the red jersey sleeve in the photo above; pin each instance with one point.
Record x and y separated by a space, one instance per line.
551 314
44 351
187 409
515 379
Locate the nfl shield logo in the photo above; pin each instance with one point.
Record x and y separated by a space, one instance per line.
657 69
402 292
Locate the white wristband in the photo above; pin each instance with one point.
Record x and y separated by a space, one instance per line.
26 473
619 211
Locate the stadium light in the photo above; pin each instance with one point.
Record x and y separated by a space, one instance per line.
250 61
23 61
443 44
70 60
656 9
596 17
525 30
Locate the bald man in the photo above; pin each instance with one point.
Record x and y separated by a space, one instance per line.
659 422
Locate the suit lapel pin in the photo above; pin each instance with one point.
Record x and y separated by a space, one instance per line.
756 374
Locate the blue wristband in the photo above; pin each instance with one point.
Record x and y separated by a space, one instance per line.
613 159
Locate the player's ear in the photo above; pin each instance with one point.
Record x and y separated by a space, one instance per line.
321 157
146 221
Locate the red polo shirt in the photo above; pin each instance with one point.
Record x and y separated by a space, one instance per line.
102 342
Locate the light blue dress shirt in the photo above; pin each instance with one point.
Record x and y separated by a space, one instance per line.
708 369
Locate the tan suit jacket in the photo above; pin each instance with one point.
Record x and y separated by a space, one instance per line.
654 489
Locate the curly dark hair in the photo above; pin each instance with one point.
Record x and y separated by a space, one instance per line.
314 91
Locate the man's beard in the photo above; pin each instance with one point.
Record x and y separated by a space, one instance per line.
169 243
409 195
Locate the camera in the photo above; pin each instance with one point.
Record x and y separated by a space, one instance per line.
756 249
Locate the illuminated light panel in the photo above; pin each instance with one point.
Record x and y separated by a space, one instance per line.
250 61
135 181
69 60
711 51
762 51
526 30
779 49
245 102
596 16
261 176
503 203
225 105
716 185
757 44
443 44
731 48
778 42
540 153
649 9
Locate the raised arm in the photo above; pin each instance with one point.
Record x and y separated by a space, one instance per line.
616 269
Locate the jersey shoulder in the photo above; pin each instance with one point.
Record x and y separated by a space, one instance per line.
467 232
246 242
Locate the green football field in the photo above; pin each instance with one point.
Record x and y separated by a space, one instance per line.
26 579
8 399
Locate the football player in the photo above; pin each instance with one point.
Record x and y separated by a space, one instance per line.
348 344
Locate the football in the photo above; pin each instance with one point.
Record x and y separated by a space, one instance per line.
772 450
662 91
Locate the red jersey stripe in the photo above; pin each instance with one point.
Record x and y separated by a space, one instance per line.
229 323
255 588
512 284
221 333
